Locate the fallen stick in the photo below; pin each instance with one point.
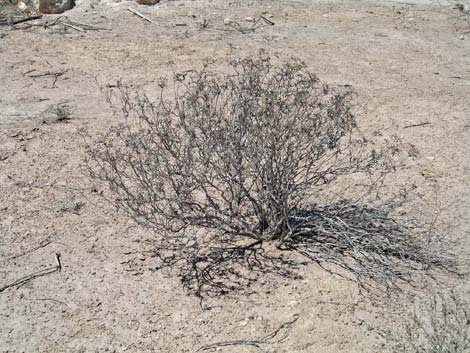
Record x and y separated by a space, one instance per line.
27 278
81 27
89 27
40 246
54 300
240 28
231 343
255 343
268 21
135 12
73 27
49 73
55 74
416 125
58 264
21 20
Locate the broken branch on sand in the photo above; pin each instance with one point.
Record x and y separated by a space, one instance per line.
10 21
255 343
49 73
40 273
135 12
416 125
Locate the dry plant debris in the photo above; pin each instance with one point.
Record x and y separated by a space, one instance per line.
240 156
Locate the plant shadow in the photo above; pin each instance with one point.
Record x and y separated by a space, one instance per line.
226 267
357 242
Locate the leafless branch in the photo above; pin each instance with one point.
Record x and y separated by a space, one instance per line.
37 274
267 339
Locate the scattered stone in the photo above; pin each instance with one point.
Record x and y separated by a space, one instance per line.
45 6
55 6
380 344
242 323
228 21
147 2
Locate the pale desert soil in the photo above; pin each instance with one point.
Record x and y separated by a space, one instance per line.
409 63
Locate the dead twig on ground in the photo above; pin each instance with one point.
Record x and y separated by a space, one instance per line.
416 125
55 74
58 264
10 21
73 27
49 73
268 21
52 299
43 244
37 274
240 28
267 339
85 27
135 12
61 20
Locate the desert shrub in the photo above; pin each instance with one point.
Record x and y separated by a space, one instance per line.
439 323
247 155
235 153
60 112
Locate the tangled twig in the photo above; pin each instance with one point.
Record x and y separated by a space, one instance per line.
267 339
365 242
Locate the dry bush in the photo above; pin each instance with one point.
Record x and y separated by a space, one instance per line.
61 112
247 155
439 324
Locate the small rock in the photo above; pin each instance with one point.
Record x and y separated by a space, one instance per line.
147 2
54 6
242 323
22 6
380 344
249 19
228 21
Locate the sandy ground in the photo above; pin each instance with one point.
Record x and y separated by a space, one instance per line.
409 63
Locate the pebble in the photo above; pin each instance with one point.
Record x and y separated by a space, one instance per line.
228 21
